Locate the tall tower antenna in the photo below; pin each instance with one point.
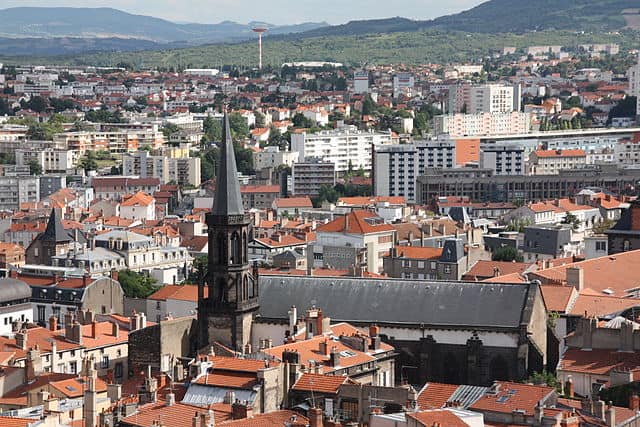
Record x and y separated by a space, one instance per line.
260 31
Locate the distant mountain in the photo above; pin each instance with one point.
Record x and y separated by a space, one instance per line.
504 16
52 22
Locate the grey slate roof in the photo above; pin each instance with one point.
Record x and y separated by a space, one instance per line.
399 301
55 231
227 200
13 289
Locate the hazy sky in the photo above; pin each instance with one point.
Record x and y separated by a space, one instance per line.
272 11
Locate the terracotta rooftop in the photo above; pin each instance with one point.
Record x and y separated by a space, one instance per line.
486 269
435 395
176 415
419 252
138 199
598 362
356 222
293 202
512 396
439 417
560 153
320 383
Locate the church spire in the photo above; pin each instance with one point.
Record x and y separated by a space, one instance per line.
227 200
55 231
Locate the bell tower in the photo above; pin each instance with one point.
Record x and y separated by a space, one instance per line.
228 297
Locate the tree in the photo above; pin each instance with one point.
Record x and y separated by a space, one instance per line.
239 126
603 226
136 285
37 104
260 119
35 168
169 129
88 162
368 106
300 121
572 220
327 193
198 270
212 129
507 253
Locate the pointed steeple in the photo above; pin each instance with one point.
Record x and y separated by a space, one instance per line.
55 231
227 200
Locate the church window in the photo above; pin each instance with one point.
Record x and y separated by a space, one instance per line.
235 249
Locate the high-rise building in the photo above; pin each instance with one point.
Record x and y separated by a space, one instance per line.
396 167
225 312
634 84
488 98
361 81
307 178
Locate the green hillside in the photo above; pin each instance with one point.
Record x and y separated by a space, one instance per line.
412 47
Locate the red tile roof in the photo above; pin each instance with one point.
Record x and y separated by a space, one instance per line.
355 222
560 153
293 202
419 252
139 199
511 397
435 395
176 415
558 298
320 383
437 418
241 380
271 419
486 269
176 292
598 362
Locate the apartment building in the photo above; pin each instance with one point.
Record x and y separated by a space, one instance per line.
551 162
118 141
114 187
348 148
403 84
634 84
272 157
50 160
308 177
489 98
627 151
480 124
181 170
15 190
396 167
503 159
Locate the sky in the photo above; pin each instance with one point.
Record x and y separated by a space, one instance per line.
272 11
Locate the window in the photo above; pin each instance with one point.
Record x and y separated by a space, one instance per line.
73 367
41 313
447 269
105 362
601 246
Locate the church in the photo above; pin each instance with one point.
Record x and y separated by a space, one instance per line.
447 331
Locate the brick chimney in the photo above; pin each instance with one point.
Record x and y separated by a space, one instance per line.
86 279
334 357
115 329
634 402
241 410
324 347
93 329
114 274
21 339
53 323
315 417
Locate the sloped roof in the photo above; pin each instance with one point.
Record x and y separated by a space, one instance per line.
399 301
355 222
138 199
55 231
227 200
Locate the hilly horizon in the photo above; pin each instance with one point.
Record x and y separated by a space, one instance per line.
53 31
104 22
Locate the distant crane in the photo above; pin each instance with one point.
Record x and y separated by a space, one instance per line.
260 31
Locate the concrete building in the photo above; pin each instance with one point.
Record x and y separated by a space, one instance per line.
15 190
113 141
480 124
403 84
272 157
308 177
396 167
361 81
542 242
503 159
114 187
138 207
634 84
50 160
181 170
480 185
487 98
449 262
348 148
551 162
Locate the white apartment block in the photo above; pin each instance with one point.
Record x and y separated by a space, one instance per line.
181 170
115 142
483 124
627 152
398 166
51 161
488 98
634 84
503 159
345 147
272 157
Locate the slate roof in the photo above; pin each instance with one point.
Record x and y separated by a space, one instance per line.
13 289
399 301
55 231
227 200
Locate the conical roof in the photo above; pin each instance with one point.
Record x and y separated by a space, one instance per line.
227 200
55 231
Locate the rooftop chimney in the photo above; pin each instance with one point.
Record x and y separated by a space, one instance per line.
115 329
53 323
575 278
315 417
170 399
21 339
634 402
241 410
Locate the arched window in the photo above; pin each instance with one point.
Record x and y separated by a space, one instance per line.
245 288
236 250
222 249
244 246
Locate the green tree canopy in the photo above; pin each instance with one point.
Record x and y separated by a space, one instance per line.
507 253
136 285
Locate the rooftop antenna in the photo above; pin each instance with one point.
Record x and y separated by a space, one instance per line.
260 31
